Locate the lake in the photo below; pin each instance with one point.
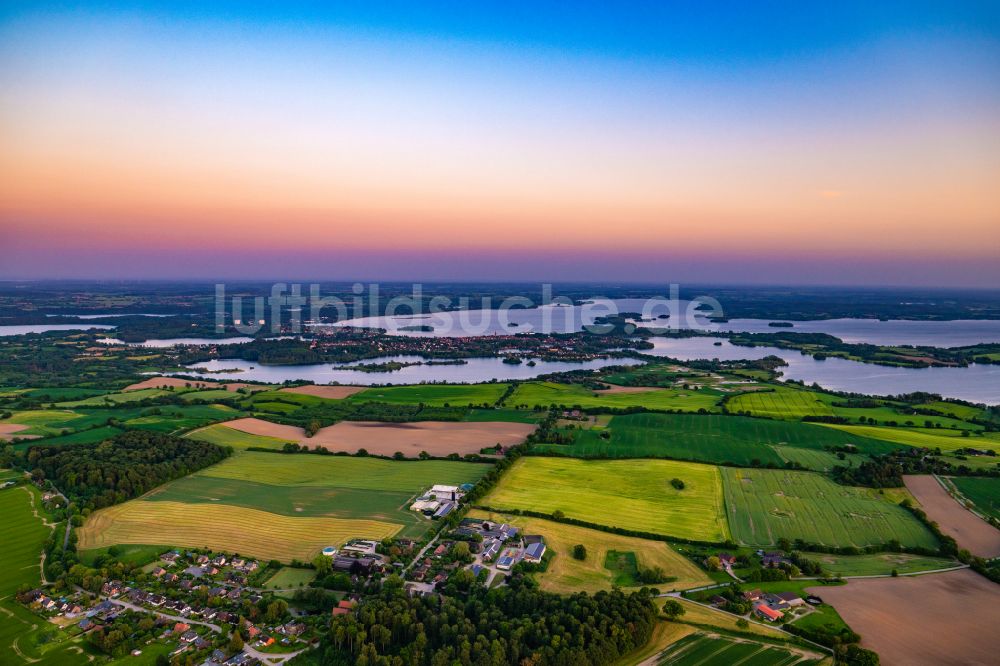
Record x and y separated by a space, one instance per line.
44 328
976 383
475 370
569 319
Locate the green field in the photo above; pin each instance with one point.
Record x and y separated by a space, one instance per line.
82 437
24 637
289 577
786 402
343 471
983 492
715 439
225 436
456 395
766 505
878 564
312 486
530 394
121 398
630 494
703 649
931 438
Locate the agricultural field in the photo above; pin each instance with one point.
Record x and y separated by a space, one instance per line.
879 564
24 639
530 394
230 528
983 492
629 494
437 438
707 648
566 575
300 486
40 422
456 395
81 437
913 613
786 402
766 505
326 392
121 398
709 438
968 529
223 435
931 438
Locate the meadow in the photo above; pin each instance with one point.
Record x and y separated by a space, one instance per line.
456 395
566 575
224 527
289 577
709 438
786 402
879 564
24 638
931 438
766 505
630 494
984 493
530 394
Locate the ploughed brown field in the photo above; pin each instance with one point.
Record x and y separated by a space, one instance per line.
946 619
330 392
968 529
438 438
9 430
177 382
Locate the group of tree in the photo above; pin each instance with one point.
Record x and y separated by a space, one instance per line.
97 475
515 624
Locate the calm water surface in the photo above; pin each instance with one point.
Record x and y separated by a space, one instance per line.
975 383
569 319
473 371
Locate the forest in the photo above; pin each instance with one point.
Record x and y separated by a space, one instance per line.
515 624
126 466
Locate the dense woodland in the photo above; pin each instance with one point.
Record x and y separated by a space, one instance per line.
118 469
516 625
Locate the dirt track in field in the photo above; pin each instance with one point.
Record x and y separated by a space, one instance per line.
329 392
968 529
946 619
438 438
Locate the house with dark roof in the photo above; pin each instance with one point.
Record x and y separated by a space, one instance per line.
533 553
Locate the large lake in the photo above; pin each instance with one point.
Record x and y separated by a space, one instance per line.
975 383
682 314
473 371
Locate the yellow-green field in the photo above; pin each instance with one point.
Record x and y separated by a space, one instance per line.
946 440
223 435
630 494
223 527
566 575
531 394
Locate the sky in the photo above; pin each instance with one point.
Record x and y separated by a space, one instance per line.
792 143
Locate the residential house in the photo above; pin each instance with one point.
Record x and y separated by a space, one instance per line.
768 613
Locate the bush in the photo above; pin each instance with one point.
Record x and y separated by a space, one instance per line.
677 483
579 552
